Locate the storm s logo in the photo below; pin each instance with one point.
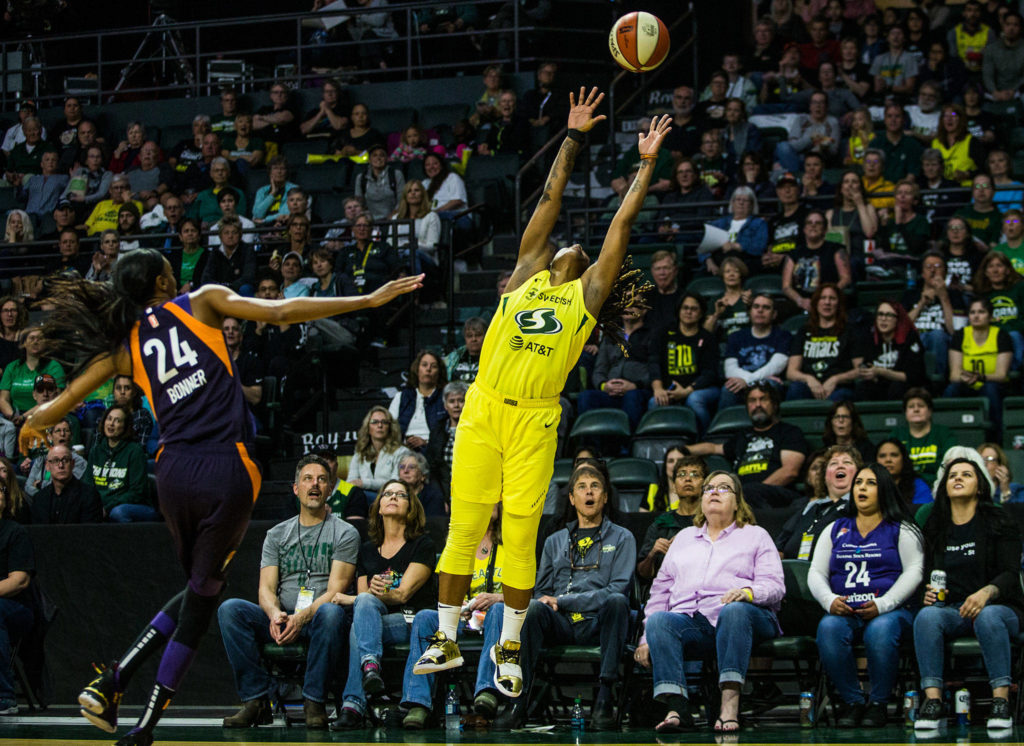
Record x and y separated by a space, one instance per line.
538 321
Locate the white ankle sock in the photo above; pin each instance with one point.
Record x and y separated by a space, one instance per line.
448 619
512 624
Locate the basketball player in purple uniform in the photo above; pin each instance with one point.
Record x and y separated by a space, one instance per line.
172 346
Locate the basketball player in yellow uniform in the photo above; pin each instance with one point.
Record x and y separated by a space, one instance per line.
506 440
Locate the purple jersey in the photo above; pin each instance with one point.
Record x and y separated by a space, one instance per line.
186 372
863 569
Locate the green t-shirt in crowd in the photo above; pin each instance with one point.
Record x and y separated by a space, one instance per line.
1016 256
985 226
926 452
1008 307
19 379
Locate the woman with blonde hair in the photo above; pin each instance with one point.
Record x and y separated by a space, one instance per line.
378 451
15 506
18 228
718 589
998 467
414 205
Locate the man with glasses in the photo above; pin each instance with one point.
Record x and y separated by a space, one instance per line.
581 598
759 352
689 475
39 472
767 456
684 138
104 214
64 498
985 221
307 567
223 122
1013 246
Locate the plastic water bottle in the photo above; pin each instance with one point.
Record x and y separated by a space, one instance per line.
577 718
452 714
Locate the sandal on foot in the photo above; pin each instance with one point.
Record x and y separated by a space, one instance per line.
720 726
669 725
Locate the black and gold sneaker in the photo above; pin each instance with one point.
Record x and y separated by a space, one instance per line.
100 699
441 654
508 673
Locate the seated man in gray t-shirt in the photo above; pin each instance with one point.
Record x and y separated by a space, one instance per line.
308 564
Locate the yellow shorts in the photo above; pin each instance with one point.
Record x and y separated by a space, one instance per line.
505 450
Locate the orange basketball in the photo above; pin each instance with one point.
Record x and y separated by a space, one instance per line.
639 41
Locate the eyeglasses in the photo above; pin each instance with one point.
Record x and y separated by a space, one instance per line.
885 315
983 186
59 461
691 474
721 489
380 422
991 458
841 417
394 493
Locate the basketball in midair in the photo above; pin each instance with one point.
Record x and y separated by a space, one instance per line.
639 41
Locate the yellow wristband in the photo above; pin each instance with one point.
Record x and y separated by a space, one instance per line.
649 157
602 386
750 594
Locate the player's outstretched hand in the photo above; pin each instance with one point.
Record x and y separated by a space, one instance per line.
393 289
650 142
581 110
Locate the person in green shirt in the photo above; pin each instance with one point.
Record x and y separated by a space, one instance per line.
985 221
904 235
925 441
20 376
1013 246
117 468
997 280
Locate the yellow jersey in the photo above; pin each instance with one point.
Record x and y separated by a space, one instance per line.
535 339
981 358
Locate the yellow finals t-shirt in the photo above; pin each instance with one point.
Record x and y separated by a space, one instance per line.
535 338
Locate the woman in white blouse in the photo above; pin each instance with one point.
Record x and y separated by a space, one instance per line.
865 567
378 451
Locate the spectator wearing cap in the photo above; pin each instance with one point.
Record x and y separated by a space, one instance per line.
380 184
43 192
16 133
816 132
902 152
63 498
785 225
104 214
26 157
292 285
33 443
20 377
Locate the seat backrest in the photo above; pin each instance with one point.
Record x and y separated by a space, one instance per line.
727 421
630 472
800 611
668 421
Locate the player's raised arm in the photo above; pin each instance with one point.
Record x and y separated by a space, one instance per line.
599 279
534 254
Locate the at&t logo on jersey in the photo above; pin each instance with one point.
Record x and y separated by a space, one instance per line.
538 321
517 343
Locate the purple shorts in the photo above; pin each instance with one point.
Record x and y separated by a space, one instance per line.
206 495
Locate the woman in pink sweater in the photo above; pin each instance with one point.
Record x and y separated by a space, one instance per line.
719 588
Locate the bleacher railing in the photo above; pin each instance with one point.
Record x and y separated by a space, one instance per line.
180 52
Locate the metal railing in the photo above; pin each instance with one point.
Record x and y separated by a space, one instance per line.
181 50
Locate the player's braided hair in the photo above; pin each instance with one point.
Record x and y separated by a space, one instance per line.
90 318
630 291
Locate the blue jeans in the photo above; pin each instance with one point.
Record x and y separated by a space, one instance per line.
1018 349
633 403
936 342
800 390
245 629
418 689
132 513
372 628
15 623
788 158
702 403
881 636
544 626
994 626
675 639
991 391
